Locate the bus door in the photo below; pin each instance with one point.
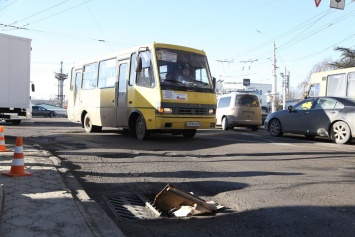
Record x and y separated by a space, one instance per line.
107 87
76 95
122 113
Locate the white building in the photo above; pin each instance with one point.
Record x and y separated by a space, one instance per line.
262 89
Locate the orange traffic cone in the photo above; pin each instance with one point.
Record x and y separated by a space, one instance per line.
18 164
2 140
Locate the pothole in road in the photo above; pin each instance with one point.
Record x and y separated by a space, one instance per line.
131 206
170 202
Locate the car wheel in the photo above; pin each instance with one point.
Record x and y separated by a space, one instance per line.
51 115
141 128
275 128
225 123
189 133
340 133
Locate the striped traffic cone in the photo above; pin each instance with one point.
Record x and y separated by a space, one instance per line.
2 140
18 164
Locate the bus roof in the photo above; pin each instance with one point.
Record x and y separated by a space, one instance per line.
127 52
335 71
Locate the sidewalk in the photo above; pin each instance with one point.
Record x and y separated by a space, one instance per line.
49 203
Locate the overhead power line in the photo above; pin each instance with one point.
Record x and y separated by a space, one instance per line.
65 35
323 49
8 5
39 12
306 23
65 10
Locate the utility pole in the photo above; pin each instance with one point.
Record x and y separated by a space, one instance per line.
274 84
60 77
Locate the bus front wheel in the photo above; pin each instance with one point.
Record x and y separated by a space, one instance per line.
189 133
89 128
141 128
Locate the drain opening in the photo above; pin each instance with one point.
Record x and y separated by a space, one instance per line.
131 206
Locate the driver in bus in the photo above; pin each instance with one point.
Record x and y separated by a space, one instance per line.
185 76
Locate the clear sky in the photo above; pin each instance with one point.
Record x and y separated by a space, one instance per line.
238 36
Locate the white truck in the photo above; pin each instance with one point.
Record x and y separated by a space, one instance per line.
15 64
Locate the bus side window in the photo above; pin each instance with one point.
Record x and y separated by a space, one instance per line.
107 73
72 79
336 85
90 76
351 84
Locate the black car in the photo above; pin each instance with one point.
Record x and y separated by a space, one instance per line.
41 111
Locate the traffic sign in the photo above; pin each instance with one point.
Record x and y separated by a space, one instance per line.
317 2
338 4
246 82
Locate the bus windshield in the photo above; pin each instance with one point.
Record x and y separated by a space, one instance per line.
181 70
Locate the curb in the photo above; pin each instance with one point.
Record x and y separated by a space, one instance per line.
95 217
2 199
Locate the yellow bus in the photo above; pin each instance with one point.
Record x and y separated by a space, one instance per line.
340 83
144 90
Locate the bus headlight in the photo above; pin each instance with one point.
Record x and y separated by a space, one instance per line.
211 111
165 110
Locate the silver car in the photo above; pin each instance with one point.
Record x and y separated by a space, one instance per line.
319 116
238 109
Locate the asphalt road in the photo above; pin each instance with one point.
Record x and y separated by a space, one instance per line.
287 186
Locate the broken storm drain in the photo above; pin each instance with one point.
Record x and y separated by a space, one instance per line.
132 206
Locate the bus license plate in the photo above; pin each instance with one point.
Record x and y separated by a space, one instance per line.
193 124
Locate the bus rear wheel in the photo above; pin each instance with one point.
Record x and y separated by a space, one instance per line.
141 128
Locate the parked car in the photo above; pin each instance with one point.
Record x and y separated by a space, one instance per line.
318 116
61 112
238 109
264 113
41 111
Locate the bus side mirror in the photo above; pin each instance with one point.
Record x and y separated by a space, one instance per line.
33 87
138 64
214 83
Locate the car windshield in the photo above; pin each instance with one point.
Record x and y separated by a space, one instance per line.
181 70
